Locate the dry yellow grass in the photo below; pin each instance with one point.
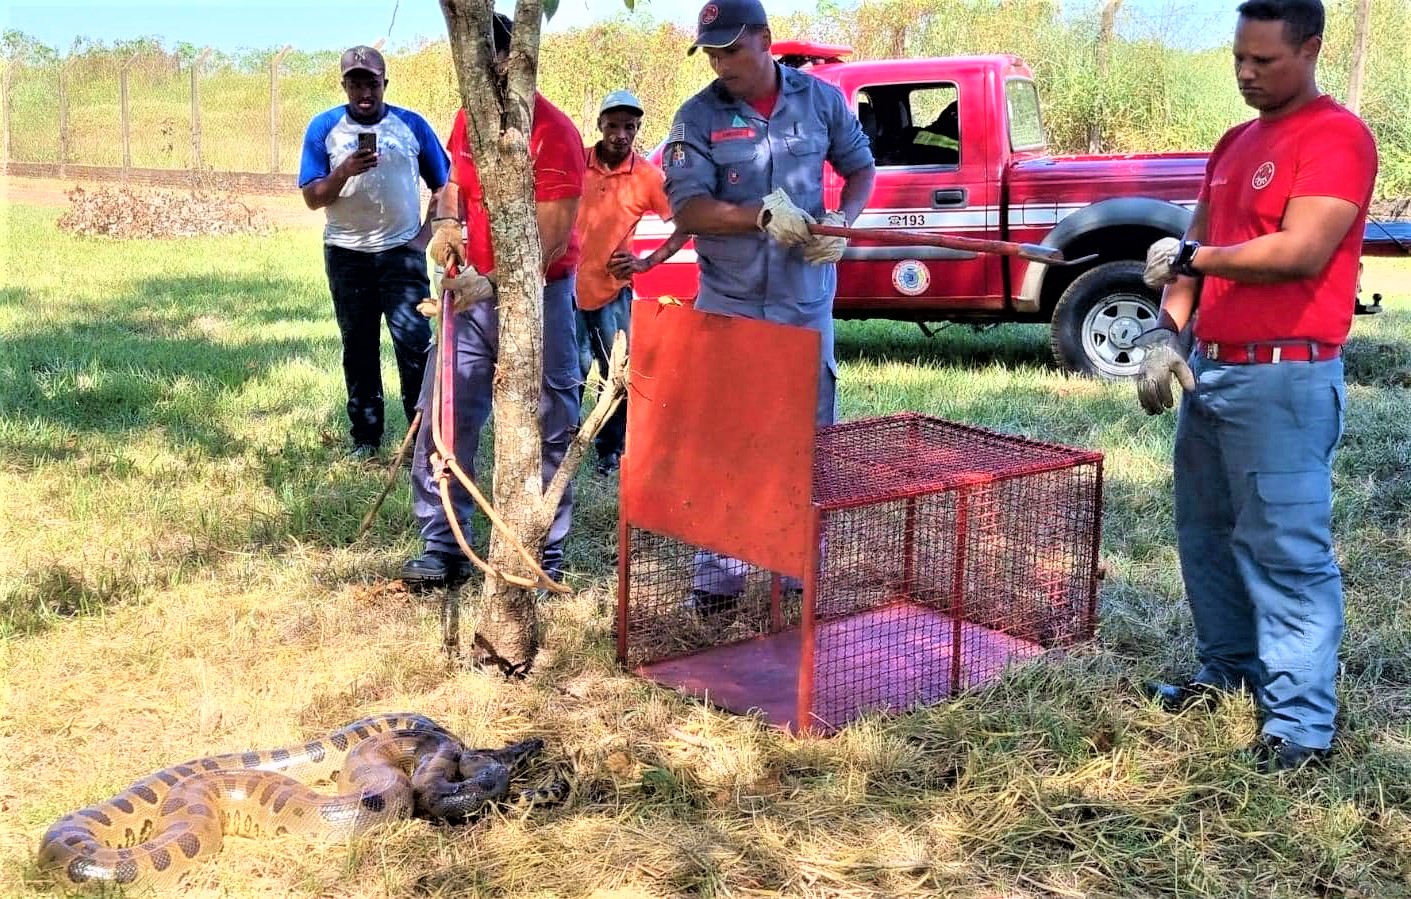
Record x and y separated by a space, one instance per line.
177 578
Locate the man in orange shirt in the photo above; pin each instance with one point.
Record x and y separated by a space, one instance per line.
619 187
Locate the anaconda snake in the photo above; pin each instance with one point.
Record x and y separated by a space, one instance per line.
385 767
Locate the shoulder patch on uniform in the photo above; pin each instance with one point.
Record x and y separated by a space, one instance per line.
676 157
677 134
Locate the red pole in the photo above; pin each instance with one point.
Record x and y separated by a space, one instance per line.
1030 251
624 579
957 585
447 374
1091 623
804 715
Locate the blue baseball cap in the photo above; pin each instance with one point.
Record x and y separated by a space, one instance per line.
623 99
722 22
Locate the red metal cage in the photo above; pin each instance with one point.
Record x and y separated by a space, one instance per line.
920 558
946 553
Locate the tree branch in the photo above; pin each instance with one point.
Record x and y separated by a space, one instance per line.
524 64
469 27
614 392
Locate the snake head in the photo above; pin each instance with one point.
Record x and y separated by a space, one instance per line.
516 754
484 781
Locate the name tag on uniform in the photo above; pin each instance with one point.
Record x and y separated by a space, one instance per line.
730 134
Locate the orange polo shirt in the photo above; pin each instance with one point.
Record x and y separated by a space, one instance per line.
614 201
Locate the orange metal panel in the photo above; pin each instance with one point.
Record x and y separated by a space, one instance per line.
720 433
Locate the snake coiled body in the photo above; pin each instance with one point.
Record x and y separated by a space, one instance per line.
384 768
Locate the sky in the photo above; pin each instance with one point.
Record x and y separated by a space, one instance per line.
310 25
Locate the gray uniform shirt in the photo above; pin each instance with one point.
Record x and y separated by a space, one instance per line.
723 148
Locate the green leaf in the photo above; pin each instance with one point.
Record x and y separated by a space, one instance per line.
630 4
550 7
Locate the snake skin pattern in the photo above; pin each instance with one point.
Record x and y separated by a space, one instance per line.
385 767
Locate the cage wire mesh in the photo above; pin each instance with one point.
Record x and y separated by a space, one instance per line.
947 552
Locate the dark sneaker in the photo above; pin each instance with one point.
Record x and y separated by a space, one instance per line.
705 605
364 452
1275 754
433 568
1179 697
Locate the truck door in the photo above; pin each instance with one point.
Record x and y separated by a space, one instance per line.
930 143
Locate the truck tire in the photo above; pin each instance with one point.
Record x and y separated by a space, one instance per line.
1098 317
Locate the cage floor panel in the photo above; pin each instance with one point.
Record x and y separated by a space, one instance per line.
894 657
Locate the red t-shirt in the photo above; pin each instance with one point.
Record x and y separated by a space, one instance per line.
1322 150
557 152
766 106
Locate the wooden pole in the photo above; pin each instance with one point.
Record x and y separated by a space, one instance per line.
274 108
1362 32
5 110
63 117
1107 25
196 108
124 114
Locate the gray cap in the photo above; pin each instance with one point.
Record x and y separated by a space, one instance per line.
363 59
623 99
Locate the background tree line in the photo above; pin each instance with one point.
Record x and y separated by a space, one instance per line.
1133 88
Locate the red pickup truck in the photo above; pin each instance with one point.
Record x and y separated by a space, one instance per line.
960 149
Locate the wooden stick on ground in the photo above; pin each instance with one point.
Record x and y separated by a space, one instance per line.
392 473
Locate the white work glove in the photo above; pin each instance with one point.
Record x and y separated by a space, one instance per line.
783 221
822 249
467 288
1162 360
447 242
1159 257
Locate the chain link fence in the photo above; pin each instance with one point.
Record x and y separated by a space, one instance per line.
158 117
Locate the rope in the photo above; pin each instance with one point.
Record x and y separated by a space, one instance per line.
444 464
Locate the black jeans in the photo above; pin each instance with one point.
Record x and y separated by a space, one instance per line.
365 287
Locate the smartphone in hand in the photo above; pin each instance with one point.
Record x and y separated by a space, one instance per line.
367 140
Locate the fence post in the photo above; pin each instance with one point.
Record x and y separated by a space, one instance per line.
274 108
5 110
63 117
196 108
123 112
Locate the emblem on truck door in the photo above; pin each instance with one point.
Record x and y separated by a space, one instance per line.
911 277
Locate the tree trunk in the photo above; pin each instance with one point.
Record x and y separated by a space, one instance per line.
1107 24
498 117
1362 30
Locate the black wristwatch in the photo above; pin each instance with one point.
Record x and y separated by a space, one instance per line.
1185 255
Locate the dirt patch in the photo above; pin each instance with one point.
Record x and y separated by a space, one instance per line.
128 213
287 211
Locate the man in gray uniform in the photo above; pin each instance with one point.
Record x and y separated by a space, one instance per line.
744 173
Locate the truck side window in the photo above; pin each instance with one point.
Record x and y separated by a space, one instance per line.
912 124
1026 125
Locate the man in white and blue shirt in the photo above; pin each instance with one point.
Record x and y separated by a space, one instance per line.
361 164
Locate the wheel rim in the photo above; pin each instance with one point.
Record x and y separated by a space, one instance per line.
1109 330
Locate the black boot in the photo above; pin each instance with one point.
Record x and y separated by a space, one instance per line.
434 569
1275 754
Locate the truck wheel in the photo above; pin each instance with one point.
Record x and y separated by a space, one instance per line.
1098 317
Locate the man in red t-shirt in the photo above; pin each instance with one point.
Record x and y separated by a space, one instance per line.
1272 254
557 152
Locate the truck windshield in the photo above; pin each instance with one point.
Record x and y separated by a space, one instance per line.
1026 126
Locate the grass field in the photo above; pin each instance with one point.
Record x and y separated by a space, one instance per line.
178 577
